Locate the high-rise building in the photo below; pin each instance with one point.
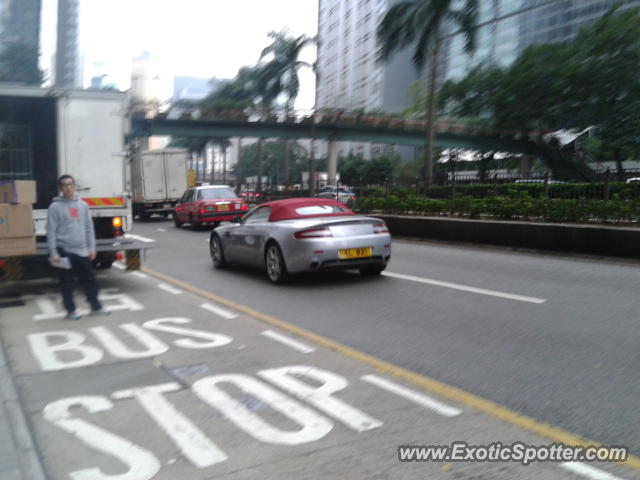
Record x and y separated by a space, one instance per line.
20 22
508 27
68 73
349 77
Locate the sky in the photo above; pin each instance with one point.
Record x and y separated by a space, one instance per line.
201 38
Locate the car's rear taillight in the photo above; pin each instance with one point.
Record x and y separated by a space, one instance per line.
116 223
313 233
179 209
243 206
380 227
202 210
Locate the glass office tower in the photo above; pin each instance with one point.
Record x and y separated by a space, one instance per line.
507 27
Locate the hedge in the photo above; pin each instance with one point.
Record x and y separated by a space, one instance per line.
522 207
628 191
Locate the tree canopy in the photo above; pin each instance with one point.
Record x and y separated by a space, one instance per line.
591 81
420 23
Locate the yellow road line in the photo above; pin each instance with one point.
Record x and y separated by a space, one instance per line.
434 386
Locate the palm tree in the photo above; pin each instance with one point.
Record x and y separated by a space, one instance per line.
421 23
280 74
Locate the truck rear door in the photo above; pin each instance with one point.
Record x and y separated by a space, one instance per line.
153 176
176 173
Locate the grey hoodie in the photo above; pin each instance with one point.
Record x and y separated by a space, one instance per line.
69 226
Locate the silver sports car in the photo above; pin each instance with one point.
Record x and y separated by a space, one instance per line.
301 235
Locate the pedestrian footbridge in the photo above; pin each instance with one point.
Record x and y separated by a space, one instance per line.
447 136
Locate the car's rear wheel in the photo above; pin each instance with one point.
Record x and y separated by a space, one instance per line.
274 264
372 270
217 254
176 222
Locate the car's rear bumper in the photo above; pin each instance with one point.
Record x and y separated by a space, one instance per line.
322 254
211 217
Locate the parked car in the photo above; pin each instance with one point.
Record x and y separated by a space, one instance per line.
342 193
633 180
208 205
303 235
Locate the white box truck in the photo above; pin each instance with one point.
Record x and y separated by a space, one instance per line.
48 132
158 180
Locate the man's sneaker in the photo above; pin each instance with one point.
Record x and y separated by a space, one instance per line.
72 316
102 312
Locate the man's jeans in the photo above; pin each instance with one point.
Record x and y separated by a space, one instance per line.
82 269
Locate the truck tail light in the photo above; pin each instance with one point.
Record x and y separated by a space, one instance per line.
116 222
313 233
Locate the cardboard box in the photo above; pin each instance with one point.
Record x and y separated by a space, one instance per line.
10 247
16 220
18 191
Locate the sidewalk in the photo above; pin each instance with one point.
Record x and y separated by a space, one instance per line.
18 457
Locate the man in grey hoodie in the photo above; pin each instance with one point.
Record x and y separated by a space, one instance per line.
70 234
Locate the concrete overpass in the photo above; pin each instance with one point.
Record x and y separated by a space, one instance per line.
336 132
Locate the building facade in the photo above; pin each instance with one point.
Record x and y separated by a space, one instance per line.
20 22
68 71
349 76
508 27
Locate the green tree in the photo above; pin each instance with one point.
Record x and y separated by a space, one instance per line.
606 78
352 170
242 90
272 154
421 23
532 93
280 74
473 95
19 64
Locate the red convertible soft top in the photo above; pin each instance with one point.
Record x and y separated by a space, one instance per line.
287 209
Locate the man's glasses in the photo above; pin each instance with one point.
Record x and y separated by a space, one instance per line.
67 184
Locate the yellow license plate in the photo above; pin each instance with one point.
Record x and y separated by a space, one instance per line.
347 253
223 208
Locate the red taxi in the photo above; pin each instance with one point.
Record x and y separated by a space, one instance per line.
208 205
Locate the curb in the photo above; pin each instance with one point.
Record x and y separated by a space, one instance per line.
26 459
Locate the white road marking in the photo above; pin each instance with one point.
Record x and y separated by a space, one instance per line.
218 311
119 265
588 471
296 345
161 229
138 237
193 443
419 398
140 274
465 288
169 288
